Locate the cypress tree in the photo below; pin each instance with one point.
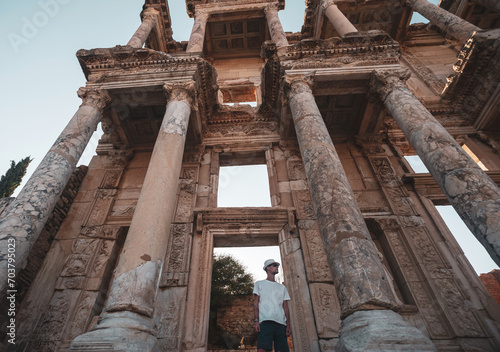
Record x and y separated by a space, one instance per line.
13 177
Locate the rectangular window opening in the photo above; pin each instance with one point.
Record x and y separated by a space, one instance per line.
416 164
474 251
243 186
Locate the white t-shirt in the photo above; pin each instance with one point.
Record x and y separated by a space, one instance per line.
271 296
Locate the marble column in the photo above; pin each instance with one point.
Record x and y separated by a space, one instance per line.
149 18
493 5
26 216
127 322
472 193
197 38
364 292
337 18
275 29
446 21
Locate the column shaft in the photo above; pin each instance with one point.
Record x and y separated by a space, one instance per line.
337 18
26 216
275 29
446 21
358 273
362 287
130 303
197 33
149 18
472 193
493 5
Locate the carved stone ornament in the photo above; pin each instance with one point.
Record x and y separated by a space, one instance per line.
180 91
201 15
149 13
97 98
296 84
384 82
273 7
326 4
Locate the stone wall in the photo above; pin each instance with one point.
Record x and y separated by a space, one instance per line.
237 319
492 282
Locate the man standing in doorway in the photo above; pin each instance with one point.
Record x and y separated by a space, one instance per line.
272 319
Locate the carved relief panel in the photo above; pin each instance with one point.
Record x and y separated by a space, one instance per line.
441 296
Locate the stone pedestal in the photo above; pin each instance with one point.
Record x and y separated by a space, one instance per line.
149 19
275 29
472 193
26 216
358 274
446 21
197 37
337 18
128 319
380 330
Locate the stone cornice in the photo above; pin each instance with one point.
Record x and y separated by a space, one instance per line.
475 80
355 49
124 57
125 67
214 6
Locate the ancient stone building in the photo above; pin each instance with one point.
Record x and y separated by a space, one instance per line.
369 263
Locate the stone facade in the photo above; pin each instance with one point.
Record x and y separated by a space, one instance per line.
368 262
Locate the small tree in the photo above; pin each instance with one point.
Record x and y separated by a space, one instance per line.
229 278
13 177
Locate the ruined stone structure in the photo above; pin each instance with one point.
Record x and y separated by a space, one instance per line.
368 262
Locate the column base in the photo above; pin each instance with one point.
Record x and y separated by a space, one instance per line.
120 331
380 330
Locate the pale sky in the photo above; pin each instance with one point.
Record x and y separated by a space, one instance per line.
39 72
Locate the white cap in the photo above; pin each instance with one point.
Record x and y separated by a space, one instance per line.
269 262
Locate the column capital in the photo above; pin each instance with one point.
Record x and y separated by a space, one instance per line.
326 4
97 98
149 13
385 81
202 15
295 84
272 7
180 91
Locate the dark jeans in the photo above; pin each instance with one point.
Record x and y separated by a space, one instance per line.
272 331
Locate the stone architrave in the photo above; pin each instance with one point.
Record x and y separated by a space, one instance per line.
130 303
337 18
363 290
493 5
446 21
149 19
472 193
275 29
197 37
26 216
